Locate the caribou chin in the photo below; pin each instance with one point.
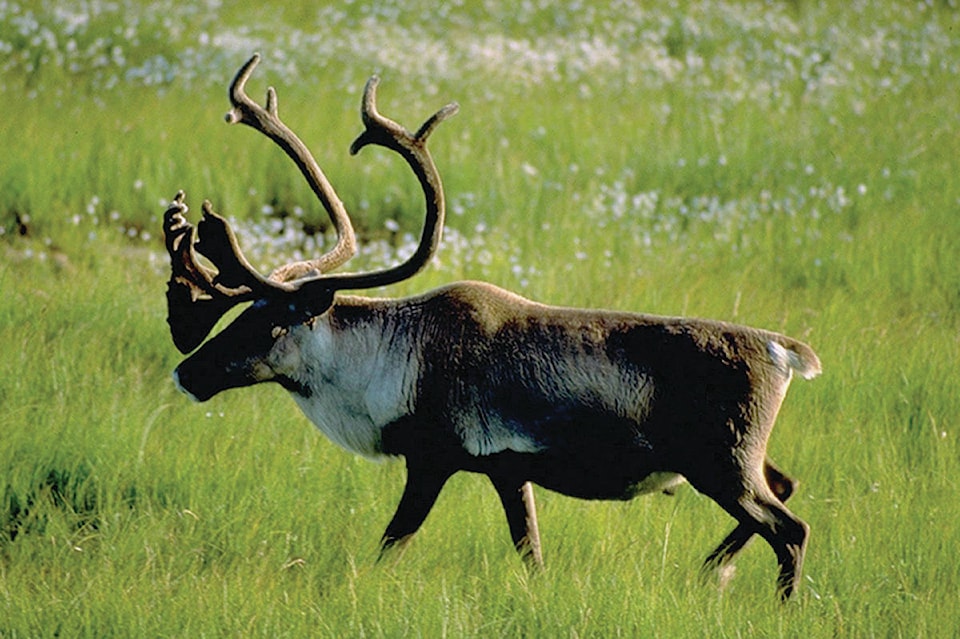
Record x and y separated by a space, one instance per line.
469 377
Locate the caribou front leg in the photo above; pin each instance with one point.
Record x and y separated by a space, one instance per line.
518 504
419 495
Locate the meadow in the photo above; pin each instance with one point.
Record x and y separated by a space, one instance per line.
780 164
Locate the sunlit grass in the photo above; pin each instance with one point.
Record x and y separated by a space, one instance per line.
783 165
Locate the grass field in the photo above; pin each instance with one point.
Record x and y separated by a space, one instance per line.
785 165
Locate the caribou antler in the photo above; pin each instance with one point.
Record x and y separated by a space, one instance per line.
412 147
267 121
197 296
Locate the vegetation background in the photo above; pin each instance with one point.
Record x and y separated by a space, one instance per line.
781 164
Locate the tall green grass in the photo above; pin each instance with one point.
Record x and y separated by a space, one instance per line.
786 166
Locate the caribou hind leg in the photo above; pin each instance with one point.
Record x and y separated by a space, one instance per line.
719 560
759 508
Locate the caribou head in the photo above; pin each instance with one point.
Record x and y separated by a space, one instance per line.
252 349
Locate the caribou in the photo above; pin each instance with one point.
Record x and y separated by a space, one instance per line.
594 404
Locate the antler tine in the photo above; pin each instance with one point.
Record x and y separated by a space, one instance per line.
217 242
179 239
427 127
383 131
267 121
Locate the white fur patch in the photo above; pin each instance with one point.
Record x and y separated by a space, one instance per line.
787 360
343 424
357 385
494 436
596 382
658 482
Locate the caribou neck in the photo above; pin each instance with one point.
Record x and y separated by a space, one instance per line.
355 371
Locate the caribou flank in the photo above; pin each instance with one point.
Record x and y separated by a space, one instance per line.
469 377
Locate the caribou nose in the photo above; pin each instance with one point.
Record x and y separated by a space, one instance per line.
180 387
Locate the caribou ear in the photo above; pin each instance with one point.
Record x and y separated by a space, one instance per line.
314 305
